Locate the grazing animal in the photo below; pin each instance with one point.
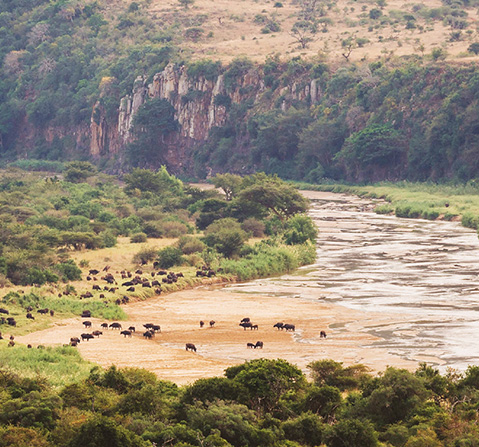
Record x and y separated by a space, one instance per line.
148 325
125 333
250 345
156 328
158 291
11 343
190 347
29 308
289 327
52 313
86 314
279 326
130 289
148 334
30 316
132 329
246 325
40 347
254 327
104 325
155 283
88 278
115 325
259 345
202 323
94 272
322 334
29 346
246 320
42 311
97 333
86 337
12 337
74 340
73 343
4 311
96 287
11 321
212 323
87 324
102 295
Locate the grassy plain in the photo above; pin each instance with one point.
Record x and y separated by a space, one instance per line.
232 28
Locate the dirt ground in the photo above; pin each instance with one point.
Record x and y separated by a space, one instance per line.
224 344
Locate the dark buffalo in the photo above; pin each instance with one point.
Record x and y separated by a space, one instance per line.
247 325
11 321
86 314
279 326
289 327
11 343
130 289
212 323
156 328
97 333
29 346
86 337
246 320
148 334
94 272
132 329
190 347
115 325
74 340
42 311
96 287
259 345
322 334
254 327
87 324
104 325
30 316
52 312
125 333
74 344
202 323
4 311
128 283
250 345
148 325
158 291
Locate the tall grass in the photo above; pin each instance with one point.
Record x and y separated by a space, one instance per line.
268 260
58 366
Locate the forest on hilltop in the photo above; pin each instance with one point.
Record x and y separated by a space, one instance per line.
66 64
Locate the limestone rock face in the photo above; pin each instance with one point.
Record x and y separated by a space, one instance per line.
200 104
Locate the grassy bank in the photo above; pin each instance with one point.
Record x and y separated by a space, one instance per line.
418 200
57 366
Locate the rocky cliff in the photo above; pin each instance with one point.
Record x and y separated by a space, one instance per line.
200 104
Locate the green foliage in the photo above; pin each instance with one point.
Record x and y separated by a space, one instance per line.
169 257
332 373
138 238
300 229
226 236
352 433
78 171
151 124
205 68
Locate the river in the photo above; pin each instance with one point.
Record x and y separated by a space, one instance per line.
424 272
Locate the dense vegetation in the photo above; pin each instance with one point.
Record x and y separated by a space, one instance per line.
411 118
49 223
258 403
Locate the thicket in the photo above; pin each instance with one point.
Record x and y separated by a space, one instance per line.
258 403
44 219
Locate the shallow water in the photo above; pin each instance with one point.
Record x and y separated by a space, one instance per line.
426 272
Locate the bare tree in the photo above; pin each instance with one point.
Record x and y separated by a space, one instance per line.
303 32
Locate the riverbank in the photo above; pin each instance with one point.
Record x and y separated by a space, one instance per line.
297 298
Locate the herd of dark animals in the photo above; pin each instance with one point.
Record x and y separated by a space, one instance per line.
131 283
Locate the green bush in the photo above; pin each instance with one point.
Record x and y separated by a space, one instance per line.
68 271
169 257
225 236
190 244
254 227
138 238
299 229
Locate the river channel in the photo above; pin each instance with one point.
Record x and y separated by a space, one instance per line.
424 272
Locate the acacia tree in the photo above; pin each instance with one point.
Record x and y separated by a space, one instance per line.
276 196
229 183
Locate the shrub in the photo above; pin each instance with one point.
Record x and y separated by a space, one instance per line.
300 229
108 238
138 238
169 256
69 271
146 255
190 244
174 229
225 236
254 227
384 209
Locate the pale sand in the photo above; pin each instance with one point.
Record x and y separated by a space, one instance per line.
224 344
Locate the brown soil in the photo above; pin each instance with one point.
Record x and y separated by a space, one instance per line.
224 344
